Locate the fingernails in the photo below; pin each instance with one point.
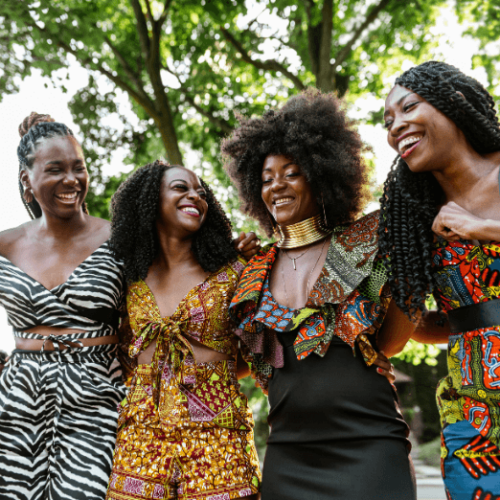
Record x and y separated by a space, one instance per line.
380 370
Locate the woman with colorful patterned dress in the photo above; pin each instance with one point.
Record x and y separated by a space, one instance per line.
310 308
440 229
185 429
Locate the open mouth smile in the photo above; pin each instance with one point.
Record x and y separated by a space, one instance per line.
408 145
281 201
67 197
190 210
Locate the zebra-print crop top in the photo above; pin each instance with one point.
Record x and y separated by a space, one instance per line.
88 300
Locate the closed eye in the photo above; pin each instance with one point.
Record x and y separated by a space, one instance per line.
408 106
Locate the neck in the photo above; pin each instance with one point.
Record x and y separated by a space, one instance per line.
174 251
460 178
302 233
63 228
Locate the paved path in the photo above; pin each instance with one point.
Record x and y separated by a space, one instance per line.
429 482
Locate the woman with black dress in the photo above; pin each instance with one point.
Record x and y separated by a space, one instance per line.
310 308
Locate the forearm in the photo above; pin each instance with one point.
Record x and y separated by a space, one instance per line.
429 332
395 332
488 230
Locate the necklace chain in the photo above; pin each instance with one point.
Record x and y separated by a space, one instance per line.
310 274
293 259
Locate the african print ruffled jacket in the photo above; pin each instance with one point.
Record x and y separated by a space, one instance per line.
348 301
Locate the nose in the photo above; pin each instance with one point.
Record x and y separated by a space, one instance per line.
277 184
398 125
70 179
194 195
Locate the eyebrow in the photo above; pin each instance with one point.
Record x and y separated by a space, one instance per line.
399 101
284 166
178 180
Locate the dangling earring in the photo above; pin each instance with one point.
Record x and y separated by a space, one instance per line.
28 195
274 225
324 211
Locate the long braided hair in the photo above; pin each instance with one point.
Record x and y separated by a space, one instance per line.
410 200
135 207
33 130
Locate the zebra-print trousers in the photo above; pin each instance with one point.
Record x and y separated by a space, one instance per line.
58 417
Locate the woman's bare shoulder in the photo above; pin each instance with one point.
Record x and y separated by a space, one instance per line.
12 237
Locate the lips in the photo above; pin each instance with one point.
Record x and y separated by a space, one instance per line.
280 201
68 197
408 144
191 210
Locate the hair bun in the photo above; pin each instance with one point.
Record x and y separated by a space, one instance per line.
32 120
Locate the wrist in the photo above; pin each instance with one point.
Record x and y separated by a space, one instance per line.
487 230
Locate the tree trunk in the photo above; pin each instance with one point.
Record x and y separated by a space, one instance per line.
166 127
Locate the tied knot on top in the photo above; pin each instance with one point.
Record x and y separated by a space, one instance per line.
58 341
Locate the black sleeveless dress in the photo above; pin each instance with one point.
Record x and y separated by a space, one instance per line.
336 432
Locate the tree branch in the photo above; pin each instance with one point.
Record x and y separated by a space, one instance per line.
143 101
218 122
150 13
142 27
324 79
164 14
371 16
268 65
134 77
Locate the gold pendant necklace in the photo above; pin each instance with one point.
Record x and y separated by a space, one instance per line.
303 233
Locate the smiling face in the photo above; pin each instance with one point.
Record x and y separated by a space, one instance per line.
58 177
183 205
422 135
286 192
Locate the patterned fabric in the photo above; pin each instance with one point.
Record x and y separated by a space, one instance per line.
58 421
58 409
470 464
86 301
348 300
206 449
470 394
185 428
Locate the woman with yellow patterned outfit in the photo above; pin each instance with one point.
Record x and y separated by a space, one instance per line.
185 430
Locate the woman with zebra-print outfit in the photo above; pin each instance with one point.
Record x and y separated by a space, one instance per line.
61 288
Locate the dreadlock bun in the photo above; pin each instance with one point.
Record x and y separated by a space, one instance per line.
32 121
34 129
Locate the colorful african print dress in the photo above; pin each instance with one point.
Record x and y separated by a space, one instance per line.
469 397
336 431
185 429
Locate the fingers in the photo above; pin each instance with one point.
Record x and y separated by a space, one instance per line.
385 367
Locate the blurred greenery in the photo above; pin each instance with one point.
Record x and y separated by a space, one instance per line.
188 67
175 74
430 453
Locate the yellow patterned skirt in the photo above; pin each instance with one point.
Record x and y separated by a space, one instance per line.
198 446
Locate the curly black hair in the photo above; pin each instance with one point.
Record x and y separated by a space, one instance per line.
33 129
410 200
312 130
135 207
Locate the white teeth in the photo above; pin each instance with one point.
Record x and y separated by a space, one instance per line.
67 196
282 200
406 143
190 210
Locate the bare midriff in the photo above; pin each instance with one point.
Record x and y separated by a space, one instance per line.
202 353
36 345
